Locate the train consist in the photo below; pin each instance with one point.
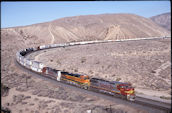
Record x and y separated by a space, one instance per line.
125 90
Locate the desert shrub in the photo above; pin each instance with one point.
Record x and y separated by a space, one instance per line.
58 62
91 72
109 66
118 79
153 71
163 97
75 70
98 62
83 59
4 90
113 75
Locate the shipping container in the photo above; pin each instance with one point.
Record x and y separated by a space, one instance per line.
42 47
34 69
37 64
28 62
53 45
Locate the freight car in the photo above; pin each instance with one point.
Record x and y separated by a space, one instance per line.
51 73
113 88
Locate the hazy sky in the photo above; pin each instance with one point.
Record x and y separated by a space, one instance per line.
26 13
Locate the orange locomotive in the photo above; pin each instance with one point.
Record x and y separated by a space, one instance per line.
79 80
82 81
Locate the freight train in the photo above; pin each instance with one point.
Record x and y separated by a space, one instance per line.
125 90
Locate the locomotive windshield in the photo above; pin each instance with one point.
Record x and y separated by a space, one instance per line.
86 77
126 87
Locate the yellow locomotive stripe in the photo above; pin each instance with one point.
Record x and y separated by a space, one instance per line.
130 92
74 78
74 81
105 89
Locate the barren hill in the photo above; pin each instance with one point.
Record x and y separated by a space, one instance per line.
90 27
77 28
164 20
37 94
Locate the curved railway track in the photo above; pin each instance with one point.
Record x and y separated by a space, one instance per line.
149 105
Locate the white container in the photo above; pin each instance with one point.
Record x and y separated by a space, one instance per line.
39 70
41 65
21 62
28 62
46 47
53 45
71 44
42 47
24 61
58 75
34 69
77 43
82 43
37 64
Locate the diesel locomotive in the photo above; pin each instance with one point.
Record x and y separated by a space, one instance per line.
125 90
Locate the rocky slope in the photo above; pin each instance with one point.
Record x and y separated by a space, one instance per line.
163 20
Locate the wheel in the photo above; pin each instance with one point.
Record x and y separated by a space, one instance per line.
85 87
123 97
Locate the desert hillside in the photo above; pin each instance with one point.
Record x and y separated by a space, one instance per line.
89 27
37 93
78 28
164 20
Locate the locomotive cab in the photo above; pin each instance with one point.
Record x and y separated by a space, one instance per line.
85 79
127 90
